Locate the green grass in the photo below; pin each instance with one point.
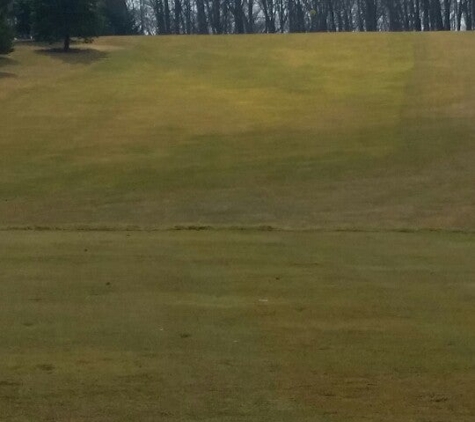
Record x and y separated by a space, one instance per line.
357 149
300 131
227 326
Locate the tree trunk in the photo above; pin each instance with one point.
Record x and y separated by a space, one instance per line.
177 12
238 17
436 16
188 22
291 12
66 43
360 19
166 13
142 17
371 19
425 14
250 19
417 13
470 15
281 15
202 24
459 15
447 15
217 17
332 26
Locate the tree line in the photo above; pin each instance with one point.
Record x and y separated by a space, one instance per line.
50 20
271 16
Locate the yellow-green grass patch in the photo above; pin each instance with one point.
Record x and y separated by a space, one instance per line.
305 131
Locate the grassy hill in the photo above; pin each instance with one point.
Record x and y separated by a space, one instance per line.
106 316
299 131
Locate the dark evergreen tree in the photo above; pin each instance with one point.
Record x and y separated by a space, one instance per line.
117 18
6 33
22 12
64 19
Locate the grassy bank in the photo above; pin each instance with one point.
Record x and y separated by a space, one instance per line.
354 130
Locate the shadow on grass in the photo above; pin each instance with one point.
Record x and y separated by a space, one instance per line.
75 55
6 61
7 75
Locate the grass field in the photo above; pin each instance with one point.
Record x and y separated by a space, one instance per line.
227 326
324 271
351 130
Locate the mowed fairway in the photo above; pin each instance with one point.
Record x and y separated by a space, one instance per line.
252 228
226 326
297 131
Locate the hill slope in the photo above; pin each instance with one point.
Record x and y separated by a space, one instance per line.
348 130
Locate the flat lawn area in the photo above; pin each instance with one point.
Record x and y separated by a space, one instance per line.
237 326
